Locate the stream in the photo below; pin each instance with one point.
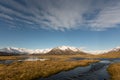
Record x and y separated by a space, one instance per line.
28 58
94 71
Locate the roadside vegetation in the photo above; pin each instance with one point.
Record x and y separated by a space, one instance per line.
114 71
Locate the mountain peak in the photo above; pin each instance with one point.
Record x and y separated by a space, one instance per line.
67 48
56 50
115 49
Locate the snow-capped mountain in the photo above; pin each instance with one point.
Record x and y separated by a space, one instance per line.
16 50
115 49
56 50
96 52
41 51
24 51
65 50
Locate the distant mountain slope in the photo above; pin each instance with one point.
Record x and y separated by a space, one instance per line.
112 53
65 50
16 50
114 50
57 50
6 54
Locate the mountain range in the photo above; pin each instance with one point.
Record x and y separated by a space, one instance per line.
56 50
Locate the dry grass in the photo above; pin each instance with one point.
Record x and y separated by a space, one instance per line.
110 55
57 63
29 70
114 70
51 57
64 57
10 57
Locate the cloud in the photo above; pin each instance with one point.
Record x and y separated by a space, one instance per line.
6 17
107 17
62 14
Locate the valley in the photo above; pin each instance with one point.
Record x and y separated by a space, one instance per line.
57 62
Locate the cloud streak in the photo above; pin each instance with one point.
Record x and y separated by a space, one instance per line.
62 15
108 17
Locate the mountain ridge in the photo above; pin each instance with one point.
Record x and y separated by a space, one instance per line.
56 50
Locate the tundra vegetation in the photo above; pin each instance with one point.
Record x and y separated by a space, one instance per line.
28 70
114 70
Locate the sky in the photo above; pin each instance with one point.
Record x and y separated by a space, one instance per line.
39 24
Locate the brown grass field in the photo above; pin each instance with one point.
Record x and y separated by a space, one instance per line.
114 71
29 70
109 55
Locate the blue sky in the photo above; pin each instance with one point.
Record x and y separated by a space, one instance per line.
90 24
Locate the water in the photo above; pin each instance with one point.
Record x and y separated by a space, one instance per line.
34 59
6 61
30 58
95 71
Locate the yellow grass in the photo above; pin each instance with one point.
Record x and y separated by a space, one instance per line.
114 70
64 57
10 57
35 69
110 55
57 63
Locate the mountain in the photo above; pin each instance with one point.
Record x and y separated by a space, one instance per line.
96 52
13 50
117 49
114 50
109 51
16 50
41 51
7 54
112 53
56 50
65 50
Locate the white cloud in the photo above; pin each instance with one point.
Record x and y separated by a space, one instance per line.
64 14
5 16
108 17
